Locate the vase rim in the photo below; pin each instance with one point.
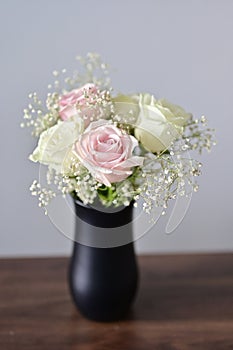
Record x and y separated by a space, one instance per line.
88 206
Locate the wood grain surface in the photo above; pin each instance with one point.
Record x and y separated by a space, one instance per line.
184 302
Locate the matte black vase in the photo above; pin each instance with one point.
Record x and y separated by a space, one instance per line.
103 281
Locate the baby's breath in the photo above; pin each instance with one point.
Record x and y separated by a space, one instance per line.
198 136
164 178
92 70
45 195
38 117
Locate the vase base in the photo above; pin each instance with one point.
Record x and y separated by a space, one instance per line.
107 318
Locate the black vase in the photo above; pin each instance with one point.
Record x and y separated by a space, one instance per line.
102 279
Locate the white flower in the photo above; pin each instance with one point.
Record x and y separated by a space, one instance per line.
126 103
158 122
55 144
174 113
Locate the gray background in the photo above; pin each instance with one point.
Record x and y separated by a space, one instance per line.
179 49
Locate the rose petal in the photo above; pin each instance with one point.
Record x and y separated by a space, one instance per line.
107 152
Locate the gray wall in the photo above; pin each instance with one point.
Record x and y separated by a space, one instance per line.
179 49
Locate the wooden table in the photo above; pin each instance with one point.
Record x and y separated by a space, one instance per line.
184 302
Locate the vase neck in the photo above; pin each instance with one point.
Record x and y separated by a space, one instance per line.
102 229
100 216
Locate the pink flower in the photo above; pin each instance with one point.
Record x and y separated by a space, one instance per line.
107 152
82 99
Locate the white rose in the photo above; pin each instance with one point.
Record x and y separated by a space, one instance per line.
125 105
174 113
159 123
55 144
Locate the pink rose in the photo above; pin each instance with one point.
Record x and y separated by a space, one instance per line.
106 152
83 99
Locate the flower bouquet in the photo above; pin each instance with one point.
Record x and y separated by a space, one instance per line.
115 149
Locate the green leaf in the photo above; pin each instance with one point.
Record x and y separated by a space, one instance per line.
107 194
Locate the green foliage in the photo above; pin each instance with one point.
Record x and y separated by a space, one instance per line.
107 194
